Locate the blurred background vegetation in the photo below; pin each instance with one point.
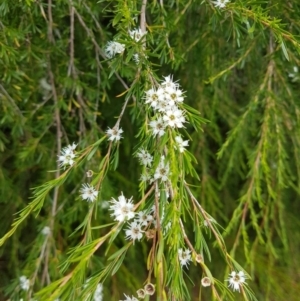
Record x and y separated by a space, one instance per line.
239 68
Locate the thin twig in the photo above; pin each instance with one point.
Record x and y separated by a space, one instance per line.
72 70
204 214
143 16
97 47
186 237
11 101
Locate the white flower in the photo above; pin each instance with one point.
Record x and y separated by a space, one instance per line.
134 231
181 144
167 227
129 299
137 34
46 231
168 82
220 3
158 126
88 193
143 218
174 118
165 105
184 256
104 204
114 134
98 295
211 220
136 58
24 283
162 171
112 48
122 208
173 96
154 97
236 280
145 177
145 157
67 155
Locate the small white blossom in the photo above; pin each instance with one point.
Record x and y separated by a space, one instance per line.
143 218
162 171
145 157
67 155
136 58
181 144
145 177
114 134
98 295
45 85
184 256
236 280
173 96
174 118
24 283
137 34
104 204
123 209
167 227
129 298
112 48
165 105
168 82
154 97
211 220
158 126
88 193
134 231
220 3
46 231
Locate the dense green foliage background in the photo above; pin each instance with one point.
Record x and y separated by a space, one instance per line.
239 68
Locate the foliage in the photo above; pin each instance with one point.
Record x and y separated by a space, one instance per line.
230 199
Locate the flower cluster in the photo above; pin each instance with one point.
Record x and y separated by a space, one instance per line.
184 256
24 283
112 48
220 3
67 155
145 222
122 209
135 231
164 100
236 280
